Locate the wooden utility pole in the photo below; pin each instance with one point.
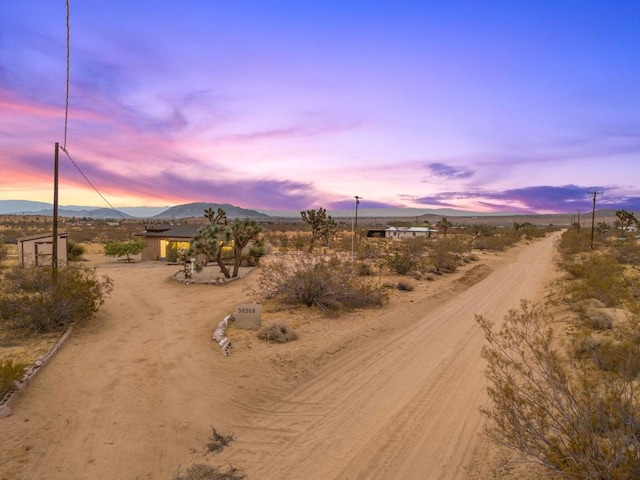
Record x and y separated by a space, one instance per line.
593 215
354 226
54 251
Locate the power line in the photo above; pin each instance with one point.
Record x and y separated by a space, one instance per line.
66 122
90 183
66 104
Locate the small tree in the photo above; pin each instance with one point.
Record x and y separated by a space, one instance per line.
323 227
444 224
124 249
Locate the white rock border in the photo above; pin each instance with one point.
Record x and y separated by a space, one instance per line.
12 396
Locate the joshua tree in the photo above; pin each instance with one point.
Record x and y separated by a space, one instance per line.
444 224
323 227
242 232
626 219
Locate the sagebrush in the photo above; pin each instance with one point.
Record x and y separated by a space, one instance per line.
31 301
9 374
326 282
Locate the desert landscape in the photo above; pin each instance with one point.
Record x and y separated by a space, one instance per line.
392 392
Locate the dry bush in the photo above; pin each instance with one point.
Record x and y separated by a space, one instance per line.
598 276
217 441
627 253
9 373
277 332
30 301
405 286
328 283
202 471
575 420
495 239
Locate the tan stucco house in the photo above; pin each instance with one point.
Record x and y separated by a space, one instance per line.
158 238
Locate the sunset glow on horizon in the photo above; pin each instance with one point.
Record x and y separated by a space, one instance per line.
483 106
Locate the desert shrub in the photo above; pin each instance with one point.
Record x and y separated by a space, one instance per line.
442 259
364 269
75 251
617 356
9 373
256 252
277 332
498 240
30 300
217 442
627 253
596 319
575 421
371 248
401 262
173 252
531 231
202 471
4 251
573 242
330 284
405 286
300 242
415 246
597 276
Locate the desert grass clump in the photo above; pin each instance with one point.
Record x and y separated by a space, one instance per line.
202 471
10 373
277 332
326 282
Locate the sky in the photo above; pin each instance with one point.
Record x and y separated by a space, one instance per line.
489 106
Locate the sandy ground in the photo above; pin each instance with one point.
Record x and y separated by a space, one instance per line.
390 393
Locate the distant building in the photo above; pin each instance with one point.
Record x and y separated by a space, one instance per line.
159 237
37 250
410 232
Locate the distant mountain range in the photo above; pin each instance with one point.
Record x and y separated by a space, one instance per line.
26 207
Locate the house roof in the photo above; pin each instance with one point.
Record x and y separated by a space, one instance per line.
37 236
411 229
173 231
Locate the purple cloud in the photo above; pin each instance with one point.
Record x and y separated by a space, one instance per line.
448 172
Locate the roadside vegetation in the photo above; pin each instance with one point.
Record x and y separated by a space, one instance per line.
565 376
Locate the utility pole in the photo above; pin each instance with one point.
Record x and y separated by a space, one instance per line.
54 251
593 214
357 203
354 225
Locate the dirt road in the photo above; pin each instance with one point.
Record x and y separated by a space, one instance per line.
393 393
403 407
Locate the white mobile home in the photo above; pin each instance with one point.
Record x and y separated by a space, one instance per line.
410 232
